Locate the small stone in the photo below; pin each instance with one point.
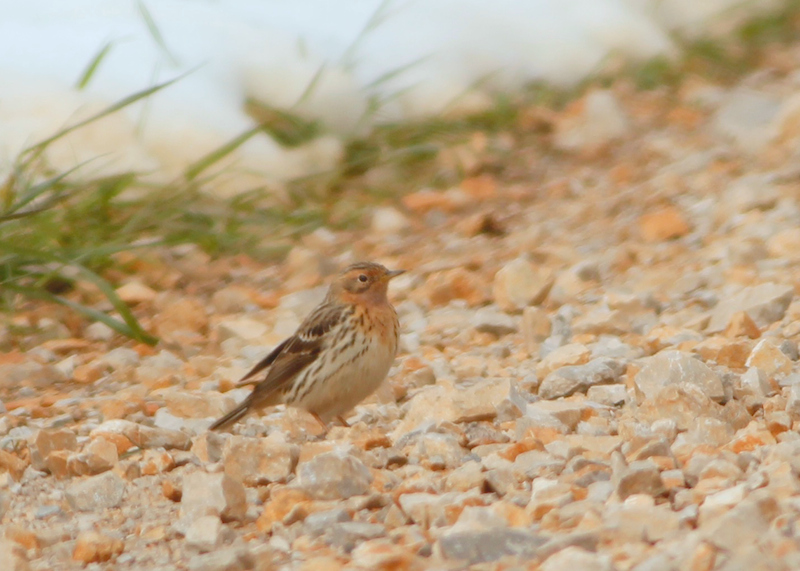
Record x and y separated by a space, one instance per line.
746 117
259 461
640 477
489 545
283 501
142 436
577 558
535 326
569 380
793 401
244 328
346 535
682 403
96 492
101 455
753 387
383 555
136 292
47 441
99 331
673 367
208 447
744 523
591 123
487 320
438 451
741 325
93 547
26 538
519 284
334 475
212 494
566 355
609 395
205 533
232 299
120 358
12 464
769 358
441 288
764 303
229 559
663 224
184 314
195 404
461 403
388 220
13 556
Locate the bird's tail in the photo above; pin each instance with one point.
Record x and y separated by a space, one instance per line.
234 415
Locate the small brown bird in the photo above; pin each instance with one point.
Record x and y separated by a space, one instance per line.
338 356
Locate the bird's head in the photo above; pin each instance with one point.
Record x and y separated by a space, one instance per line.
365 282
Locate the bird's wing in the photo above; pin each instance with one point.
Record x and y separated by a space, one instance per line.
300 350
263 364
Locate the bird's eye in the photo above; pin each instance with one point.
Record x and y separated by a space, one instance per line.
362 278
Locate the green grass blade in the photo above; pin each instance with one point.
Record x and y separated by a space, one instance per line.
124 328
155 33
90 70
121 307
218 154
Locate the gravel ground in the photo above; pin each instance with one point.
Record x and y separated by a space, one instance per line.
598 370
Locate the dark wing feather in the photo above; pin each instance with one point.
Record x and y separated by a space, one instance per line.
263 364
299 351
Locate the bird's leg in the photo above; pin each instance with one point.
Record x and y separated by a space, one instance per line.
319 419
343 421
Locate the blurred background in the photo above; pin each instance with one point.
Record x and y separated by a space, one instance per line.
238 126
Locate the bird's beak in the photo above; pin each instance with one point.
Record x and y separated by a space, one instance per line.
394 274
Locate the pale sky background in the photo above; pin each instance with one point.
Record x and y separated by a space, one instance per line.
419 57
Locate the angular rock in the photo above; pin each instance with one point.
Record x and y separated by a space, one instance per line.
673 367
96 492
535 326
609 395
229 559
682 403
594 122
205 533
334 475
640 477
93 547
346 535
519 284
438 451
768 356
746 118
242 328
488 320
577 558
13 555
490 545
663 224
567 355
461 403
144 436
47 441
764 303
212 494
743 524
569 380
259 461
136 292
